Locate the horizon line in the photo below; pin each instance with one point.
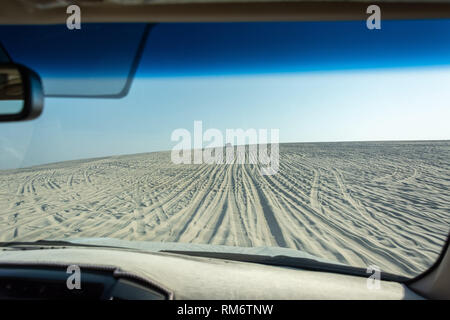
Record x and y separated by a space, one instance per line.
160 151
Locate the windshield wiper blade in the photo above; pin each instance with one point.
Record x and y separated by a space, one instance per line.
292 262
48 243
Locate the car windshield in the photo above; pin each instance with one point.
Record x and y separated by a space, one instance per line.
326 138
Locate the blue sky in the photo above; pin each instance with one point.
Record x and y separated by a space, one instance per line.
397 104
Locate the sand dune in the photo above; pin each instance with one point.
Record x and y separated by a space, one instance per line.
356 203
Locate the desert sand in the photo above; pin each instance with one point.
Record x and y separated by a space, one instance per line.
382 203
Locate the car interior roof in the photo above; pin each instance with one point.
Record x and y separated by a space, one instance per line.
53 11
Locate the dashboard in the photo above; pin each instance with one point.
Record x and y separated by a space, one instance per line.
116 274
39 283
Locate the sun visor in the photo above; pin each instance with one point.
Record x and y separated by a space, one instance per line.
98 60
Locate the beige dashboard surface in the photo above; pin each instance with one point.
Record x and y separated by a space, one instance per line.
204 278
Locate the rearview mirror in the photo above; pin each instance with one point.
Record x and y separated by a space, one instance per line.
21 94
